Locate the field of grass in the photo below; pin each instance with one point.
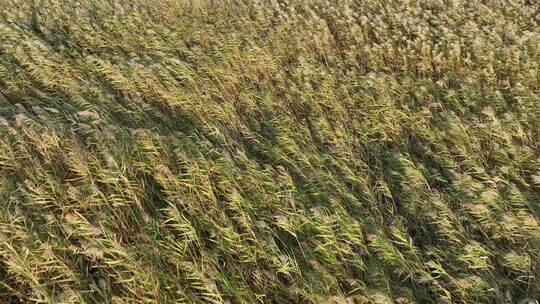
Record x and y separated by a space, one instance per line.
270 151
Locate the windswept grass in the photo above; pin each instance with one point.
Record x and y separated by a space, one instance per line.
351 151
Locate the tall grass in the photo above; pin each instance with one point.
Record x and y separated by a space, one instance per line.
351 151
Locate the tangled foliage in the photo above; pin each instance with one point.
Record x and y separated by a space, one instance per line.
350 151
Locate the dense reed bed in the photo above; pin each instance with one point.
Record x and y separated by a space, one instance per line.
351 151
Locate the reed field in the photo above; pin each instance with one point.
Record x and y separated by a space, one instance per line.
270 151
